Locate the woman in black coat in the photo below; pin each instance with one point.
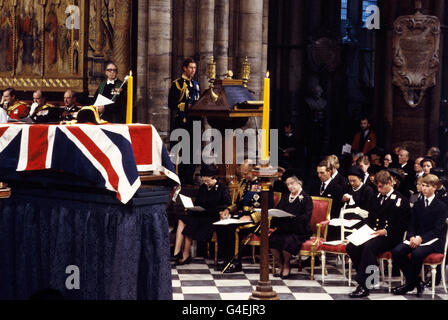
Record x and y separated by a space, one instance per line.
290 233
213 196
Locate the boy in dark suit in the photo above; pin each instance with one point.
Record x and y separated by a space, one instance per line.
388 218
427 223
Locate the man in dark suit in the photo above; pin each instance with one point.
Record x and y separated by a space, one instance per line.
427 223
388 218
342 181
328 188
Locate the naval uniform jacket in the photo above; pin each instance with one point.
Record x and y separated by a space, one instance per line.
392 215
248 199
183 92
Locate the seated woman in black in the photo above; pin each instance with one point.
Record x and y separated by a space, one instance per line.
213 195
359 194
290 233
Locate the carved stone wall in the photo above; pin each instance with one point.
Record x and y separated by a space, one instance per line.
397 123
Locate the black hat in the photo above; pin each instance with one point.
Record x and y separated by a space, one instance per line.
396 173
89 114
209 170
356 171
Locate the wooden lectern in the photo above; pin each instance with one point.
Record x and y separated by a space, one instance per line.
227 105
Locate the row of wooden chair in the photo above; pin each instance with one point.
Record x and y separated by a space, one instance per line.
433 260
317 246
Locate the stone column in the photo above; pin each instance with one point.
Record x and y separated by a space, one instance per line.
222 36
233 36
178 36
435 97
159 64
189 37
251 42
141 92
264 59
121 41
206 33
98 46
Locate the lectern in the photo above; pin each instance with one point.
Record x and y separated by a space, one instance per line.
228 105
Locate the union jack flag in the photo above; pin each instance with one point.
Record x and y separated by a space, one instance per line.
110 155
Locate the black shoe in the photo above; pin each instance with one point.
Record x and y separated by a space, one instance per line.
234 267
220 266
397 289
177 256
278 274
186 261
402 290
420 288
282 276
360 292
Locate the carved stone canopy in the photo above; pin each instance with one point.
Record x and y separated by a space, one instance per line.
416 44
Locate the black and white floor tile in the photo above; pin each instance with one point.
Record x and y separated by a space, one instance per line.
199 281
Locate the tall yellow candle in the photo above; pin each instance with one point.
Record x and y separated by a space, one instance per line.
129 102
265 131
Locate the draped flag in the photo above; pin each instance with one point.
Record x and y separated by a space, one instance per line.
109 155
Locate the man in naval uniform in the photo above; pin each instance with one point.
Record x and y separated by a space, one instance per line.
248 199
70 110
42 112
388 218
113 89
184 92
15 109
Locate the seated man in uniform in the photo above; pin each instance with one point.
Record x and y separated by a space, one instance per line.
70 108
248 199
388 218
41 111
15 109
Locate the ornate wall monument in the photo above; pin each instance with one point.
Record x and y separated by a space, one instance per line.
416 60
401 66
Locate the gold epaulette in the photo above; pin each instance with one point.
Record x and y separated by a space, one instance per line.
15 105
45 106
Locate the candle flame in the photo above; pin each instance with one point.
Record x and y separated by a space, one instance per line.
267 74
130 73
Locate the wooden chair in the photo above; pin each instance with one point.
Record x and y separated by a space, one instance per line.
214 240
320 219
254 239
433 260
339 247
387 256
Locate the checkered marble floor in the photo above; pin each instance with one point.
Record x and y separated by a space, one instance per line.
199 281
